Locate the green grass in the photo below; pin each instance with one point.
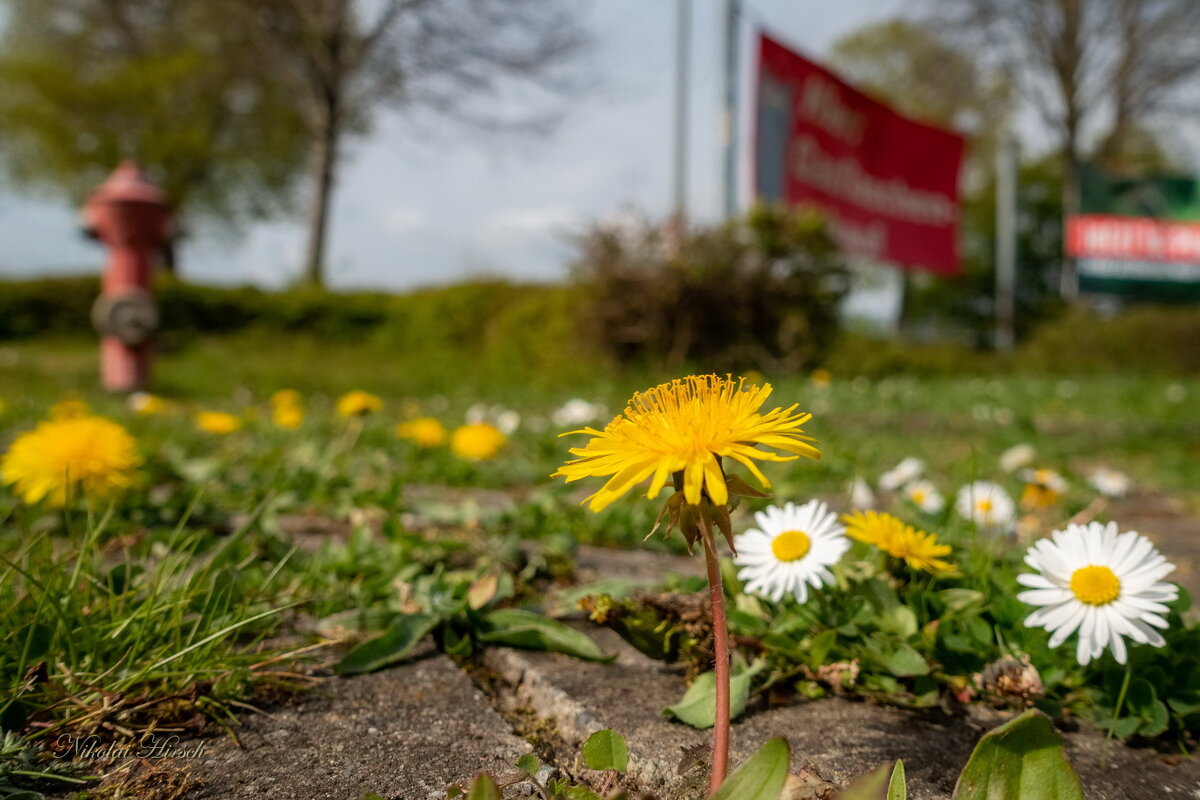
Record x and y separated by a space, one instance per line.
152 610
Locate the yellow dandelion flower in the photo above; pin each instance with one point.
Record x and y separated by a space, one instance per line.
218 422
423 431
288 417
89 455
358 403
477 442
686 426
286 398
821 378
147 405
918 549
71 408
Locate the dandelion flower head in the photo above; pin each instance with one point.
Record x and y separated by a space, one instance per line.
686 426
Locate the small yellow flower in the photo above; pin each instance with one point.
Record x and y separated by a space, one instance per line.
218 422
477 442
423 431
286 397
146 405
918 549
71 408
358 403
821 378
286 416
687 426
90 455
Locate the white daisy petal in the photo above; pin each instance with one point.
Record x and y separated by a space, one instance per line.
823 545
1119 594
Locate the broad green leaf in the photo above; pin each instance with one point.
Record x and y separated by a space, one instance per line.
1022 758
904 661
528 764
605 750
698 707
960 599
405 633
484 788
819 647
760 777
871 786
897 787
517 627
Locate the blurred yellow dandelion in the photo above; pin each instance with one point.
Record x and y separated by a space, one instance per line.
423 431
146 404
686 426
287 416
218 422
87 454
478 441
358 403
918 549
71 408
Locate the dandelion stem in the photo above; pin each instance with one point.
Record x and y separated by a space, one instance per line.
720 754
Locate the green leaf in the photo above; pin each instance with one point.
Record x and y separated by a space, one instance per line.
760 777
405 633
904 661
897 788
698 707
580 793
484 788
819 647
960 599
605 750
517 627
869 787
1022 758
528 764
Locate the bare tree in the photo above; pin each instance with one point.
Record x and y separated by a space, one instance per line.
347 59
1098 70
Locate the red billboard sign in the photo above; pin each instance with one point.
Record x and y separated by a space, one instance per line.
888 184
1132 238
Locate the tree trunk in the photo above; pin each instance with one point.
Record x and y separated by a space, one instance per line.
1069 279
324 160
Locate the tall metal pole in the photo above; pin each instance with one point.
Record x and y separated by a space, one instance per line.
1006 242
683 42
729 108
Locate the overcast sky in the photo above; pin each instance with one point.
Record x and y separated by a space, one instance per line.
410 211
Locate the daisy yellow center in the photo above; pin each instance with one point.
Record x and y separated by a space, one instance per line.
918 496
1096 586
791 545
985 505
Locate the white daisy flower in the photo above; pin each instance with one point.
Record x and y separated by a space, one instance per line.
576 411
986 504
792 547
1046 478
1110 482
906 471
1017 456
861 495
925 496
1105 584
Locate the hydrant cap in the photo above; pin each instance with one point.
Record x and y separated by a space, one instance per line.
128 184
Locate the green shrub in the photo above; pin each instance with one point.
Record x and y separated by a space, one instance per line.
1142 340
762 291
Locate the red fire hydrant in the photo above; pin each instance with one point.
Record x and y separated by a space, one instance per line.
131 217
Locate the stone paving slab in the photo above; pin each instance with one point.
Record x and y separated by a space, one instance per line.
838 739
405 733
